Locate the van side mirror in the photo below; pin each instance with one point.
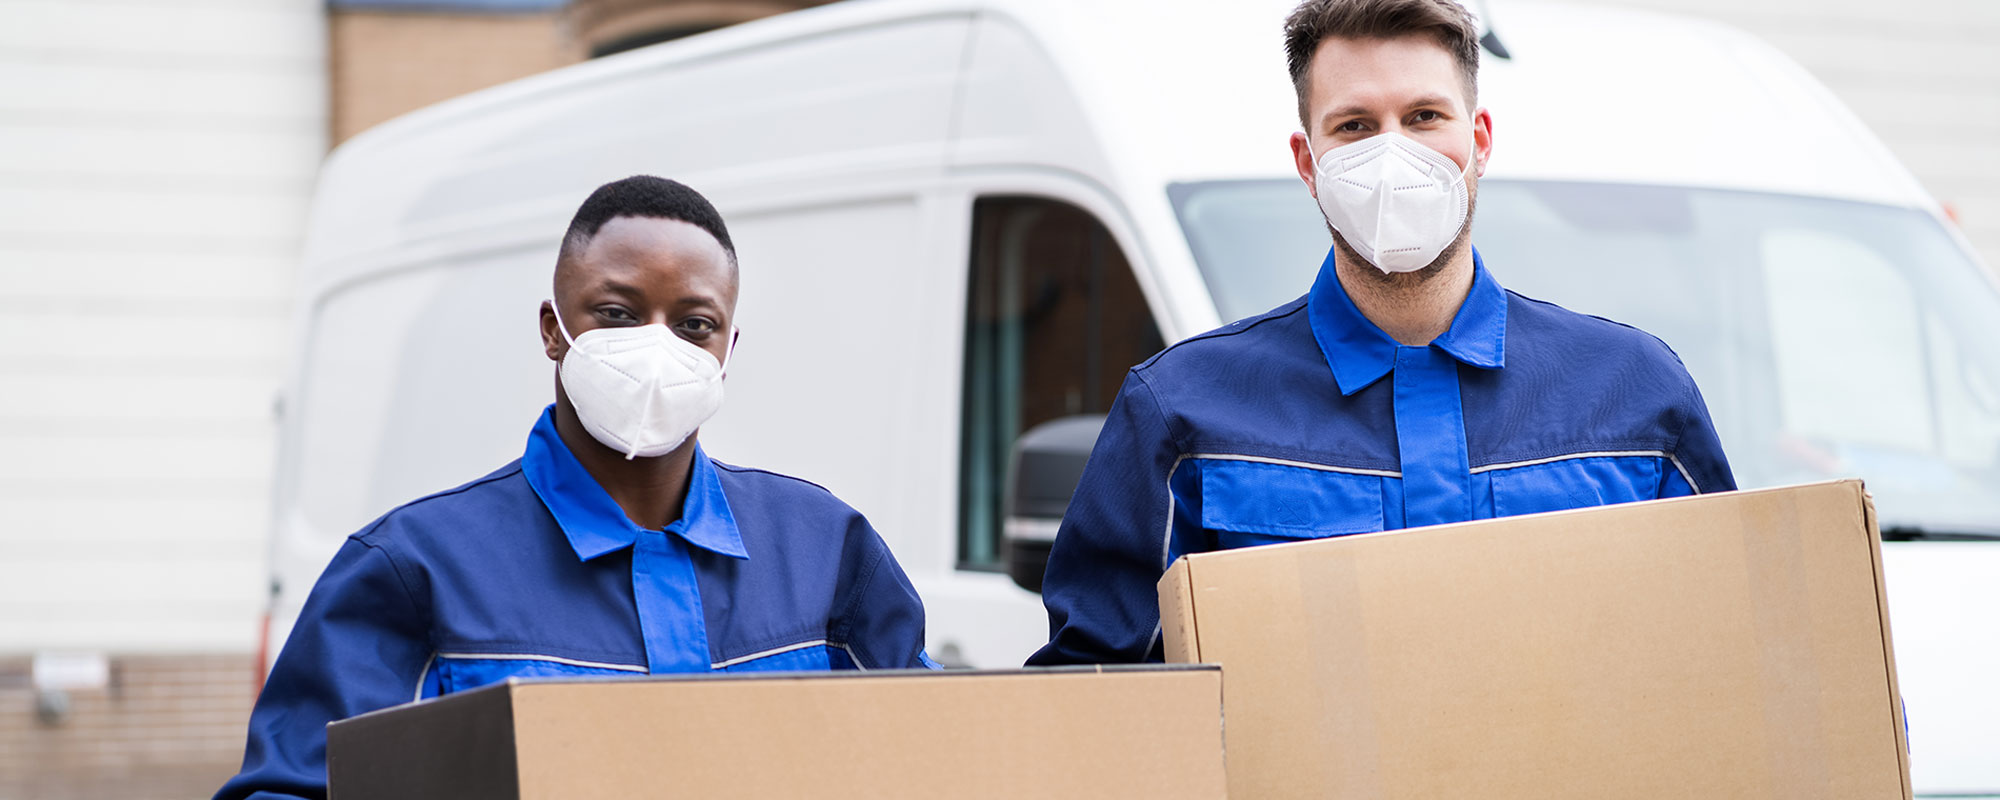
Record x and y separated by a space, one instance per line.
1041 477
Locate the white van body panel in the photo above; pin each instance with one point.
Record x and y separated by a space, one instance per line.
849 198
1942 601
1671 86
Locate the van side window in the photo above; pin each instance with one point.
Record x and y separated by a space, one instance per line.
1053 320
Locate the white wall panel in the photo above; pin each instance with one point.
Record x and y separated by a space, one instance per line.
45 205
36 84
82 340
206 525
155 163
269 34
91 397
111 452
89 602
46 277
246 158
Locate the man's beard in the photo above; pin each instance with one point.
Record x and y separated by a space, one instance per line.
1371 273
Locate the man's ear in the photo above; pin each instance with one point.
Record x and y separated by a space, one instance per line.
1302 158
553 344
1482 138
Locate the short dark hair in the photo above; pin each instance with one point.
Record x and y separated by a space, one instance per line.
644 196
1445 21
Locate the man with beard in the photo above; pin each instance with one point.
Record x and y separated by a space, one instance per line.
1406 388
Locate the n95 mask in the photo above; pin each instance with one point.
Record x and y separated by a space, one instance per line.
1396 202
640 390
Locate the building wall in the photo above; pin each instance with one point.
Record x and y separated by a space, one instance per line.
166 727
605 26
1924 74
155 162
387 63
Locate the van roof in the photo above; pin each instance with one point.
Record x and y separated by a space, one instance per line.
1590 94
1186 90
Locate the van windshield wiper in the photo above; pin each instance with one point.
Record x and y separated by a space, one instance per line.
1918 533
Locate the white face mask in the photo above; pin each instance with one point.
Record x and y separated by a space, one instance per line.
640 390
1396 202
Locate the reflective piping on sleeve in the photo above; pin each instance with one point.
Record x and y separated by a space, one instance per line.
423 675
1379 473
1670 457
1167 540
772 652
553 659
858 666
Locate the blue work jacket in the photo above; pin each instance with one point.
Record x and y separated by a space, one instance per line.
534 570
1308 421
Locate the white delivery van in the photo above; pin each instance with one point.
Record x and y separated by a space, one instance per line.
960 220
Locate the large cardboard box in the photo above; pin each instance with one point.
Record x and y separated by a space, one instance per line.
1727 646
1084 733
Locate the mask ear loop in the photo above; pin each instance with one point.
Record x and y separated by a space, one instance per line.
1471 155
735 333
564 329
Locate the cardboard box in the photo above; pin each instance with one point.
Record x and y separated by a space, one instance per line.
1086 733
1726 646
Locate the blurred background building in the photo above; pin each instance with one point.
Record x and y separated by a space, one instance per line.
388 57
156 160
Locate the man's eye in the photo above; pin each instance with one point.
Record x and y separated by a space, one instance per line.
1351 126
697 325
1426 116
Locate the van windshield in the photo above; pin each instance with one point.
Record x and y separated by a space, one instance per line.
1830 338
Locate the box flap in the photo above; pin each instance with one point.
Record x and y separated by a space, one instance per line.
458 747
1178 636
1143 730
1888 648
911 734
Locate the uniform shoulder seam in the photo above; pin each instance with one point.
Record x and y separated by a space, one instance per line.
367 537
1686 411
749 470
500 474
1248 324
1688 389
497 475
1583 315
397 566
844 623
1160 409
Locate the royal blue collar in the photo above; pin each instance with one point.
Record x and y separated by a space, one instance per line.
1360 353
593 521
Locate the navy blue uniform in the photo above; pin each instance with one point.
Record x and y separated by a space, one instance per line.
534 570
1308 421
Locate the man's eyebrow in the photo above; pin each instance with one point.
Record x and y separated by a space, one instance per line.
1430 100
1343 113
619 288
690 300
